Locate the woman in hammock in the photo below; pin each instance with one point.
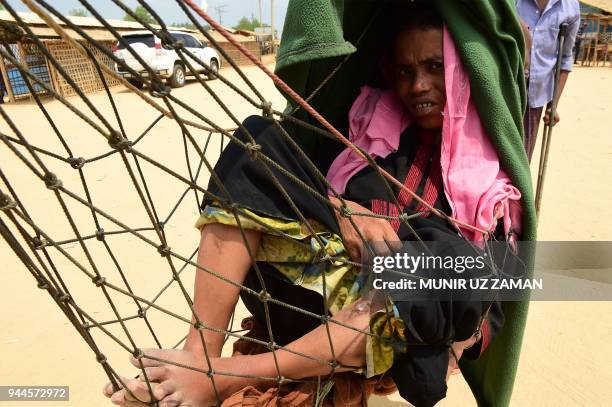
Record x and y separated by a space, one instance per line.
411 129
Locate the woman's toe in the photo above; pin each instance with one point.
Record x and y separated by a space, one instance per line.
138 391
118 397
173 400
154 374
165 389
108 390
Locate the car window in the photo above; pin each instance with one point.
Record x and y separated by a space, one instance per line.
191 42
179 37
146 39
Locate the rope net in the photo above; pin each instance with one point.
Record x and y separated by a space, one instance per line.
80 234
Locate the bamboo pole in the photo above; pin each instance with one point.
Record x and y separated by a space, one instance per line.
5 78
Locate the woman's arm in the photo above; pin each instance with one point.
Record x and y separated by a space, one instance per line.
528 42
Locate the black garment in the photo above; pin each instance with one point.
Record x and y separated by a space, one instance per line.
249 184
420 373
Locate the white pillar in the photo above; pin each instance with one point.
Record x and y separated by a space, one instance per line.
272 26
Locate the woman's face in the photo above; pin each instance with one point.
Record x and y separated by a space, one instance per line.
418 75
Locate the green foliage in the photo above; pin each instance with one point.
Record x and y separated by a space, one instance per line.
191 26
247 24
78 12
142 14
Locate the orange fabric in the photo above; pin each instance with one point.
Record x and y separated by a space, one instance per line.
349 390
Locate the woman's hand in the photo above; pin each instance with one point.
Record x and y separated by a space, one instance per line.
456 352
372 229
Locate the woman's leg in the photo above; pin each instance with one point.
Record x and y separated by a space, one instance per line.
286 323
182 386
222 250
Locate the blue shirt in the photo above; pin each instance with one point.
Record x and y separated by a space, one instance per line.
544 29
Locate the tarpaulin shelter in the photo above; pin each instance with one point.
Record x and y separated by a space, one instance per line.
336 43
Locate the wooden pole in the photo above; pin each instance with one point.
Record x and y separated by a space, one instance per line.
23 59
605 21
5 78
52 72
597 24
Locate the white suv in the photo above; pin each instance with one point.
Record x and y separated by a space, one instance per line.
163 60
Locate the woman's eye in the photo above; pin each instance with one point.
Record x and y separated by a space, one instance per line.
403 72
437 66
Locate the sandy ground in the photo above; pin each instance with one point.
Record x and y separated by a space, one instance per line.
566 354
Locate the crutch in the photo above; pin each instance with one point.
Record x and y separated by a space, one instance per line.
548 128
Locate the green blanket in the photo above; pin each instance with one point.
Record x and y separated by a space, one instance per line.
318 34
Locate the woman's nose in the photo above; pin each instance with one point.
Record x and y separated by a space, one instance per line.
422 83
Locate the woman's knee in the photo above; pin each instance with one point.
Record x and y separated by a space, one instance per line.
220 238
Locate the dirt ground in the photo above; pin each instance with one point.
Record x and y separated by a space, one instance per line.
565 356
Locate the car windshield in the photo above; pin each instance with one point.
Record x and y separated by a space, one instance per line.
147 39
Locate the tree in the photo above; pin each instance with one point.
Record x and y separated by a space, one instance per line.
142 14
184 25
190 26
78 12
248 24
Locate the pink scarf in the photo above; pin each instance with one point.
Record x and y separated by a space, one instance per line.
478 191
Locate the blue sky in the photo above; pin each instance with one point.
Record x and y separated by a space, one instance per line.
170 11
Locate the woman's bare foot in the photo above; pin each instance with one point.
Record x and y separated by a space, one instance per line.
178 378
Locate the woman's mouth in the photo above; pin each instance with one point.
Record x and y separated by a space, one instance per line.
423 108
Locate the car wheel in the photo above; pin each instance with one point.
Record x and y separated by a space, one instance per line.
178 76
214 68
138 84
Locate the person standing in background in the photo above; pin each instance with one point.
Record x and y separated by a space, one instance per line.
543 18
2 89
579 38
